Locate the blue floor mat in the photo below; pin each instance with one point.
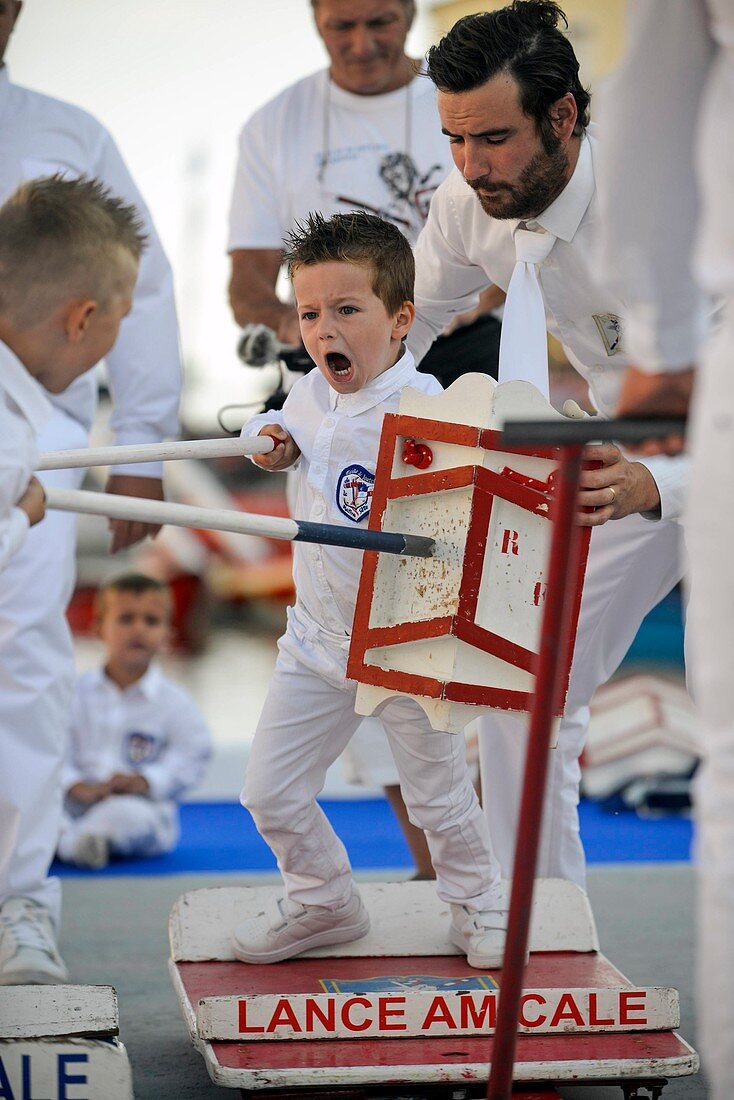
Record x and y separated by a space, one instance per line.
220 836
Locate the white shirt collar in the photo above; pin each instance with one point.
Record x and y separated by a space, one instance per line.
148 684
28 395
376 391
563 217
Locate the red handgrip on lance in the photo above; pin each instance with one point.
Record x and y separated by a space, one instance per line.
417 454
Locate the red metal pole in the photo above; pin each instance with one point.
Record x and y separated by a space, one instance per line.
561 568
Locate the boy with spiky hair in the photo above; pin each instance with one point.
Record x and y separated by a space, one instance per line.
353 284
69 253
138 743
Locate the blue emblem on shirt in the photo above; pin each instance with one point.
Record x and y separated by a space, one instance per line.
354 492
141 748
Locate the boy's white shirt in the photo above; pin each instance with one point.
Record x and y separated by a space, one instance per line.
173 742
24 410
335 432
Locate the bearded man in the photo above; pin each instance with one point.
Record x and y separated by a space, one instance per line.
517 118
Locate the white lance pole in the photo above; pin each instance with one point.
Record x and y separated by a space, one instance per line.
156 452
223 519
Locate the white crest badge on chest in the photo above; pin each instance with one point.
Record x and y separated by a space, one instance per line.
354 492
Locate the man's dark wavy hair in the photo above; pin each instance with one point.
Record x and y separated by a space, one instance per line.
522 40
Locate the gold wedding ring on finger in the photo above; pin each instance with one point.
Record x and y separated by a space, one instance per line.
614 494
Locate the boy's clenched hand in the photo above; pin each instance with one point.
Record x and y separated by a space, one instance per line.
33 501
285 452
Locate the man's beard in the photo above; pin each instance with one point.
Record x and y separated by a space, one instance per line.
541 181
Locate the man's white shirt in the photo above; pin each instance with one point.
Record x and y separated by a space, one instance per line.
39 136
317 147
151 727
339 436
24 410
462 249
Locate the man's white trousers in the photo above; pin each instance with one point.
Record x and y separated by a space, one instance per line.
633 563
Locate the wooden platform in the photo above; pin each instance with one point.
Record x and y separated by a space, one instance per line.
401 997
59 1042
393 1019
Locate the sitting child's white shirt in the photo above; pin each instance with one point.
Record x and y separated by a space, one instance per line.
152 728
339 438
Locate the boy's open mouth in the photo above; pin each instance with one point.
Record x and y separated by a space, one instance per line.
338 364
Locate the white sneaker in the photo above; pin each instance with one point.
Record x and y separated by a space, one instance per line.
91 850
28 951
480 935
289 929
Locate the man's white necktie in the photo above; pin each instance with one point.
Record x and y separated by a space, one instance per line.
524 339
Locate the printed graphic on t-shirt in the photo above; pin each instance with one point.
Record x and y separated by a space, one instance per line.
142 748
408 190
354 492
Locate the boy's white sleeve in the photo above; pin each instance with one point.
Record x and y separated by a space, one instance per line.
256 423
188 750
14 527
14 477
283 417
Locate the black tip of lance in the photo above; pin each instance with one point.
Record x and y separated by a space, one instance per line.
386 542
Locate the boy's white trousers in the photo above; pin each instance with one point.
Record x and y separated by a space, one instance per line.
307 720
37 681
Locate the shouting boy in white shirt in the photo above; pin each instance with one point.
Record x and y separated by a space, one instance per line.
138 743
353 283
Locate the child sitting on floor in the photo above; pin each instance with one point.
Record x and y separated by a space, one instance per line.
138 743
353 282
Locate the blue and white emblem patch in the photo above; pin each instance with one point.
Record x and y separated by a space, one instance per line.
354 492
